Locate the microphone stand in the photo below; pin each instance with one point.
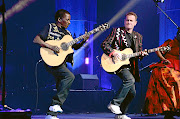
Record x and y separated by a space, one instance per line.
4 34
156 3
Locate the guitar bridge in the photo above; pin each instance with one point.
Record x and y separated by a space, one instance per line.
55 53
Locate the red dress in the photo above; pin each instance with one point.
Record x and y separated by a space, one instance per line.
163 93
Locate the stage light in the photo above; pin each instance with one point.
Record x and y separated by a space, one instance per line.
158 1
18 7
87 60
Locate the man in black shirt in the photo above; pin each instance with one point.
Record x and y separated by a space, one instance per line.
63 76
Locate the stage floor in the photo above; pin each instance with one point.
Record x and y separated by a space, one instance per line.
99 116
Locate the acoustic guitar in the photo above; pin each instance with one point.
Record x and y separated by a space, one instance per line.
52 58
112 64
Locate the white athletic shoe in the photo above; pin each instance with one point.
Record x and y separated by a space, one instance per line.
122 117
51 117
114 108
55 108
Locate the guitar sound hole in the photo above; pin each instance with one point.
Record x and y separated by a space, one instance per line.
64 46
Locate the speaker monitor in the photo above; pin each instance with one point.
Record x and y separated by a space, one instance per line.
15 115
85 82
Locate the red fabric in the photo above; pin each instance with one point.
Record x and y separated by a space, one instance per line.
163 93
173 54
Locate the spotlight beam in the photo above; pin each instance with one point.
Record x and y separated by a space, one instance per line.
117 16
19 6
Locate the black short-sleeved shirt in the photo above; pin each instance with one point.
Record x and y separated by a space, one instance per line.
131 42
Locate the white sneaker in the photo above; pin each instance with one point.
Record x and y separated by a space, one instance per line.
51 117
122 117
55 108
114 108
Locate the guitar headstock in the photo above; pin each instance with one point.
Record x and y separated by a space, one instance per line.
103 27
165 48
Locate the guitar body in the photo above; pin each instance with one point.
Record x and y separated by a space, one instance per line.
110 66
52 59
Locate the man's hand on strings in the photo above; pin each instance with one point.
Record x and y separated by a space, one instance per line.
54 48
117 56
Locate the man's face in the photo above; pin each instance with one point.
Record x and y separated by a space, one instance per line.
130 22
65 21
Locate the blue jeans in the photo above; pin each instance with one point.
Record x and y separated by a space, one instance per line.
64 79
125 95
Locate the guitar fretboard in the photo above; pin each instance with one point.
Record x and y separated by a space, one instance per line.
100 28
82 36
149 51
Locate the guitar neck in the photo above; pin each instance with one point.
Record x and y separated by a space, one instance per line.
100 28
149 51
82 36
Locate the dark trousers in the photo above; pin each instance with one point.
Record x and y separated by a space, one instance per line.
125 95
64 79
